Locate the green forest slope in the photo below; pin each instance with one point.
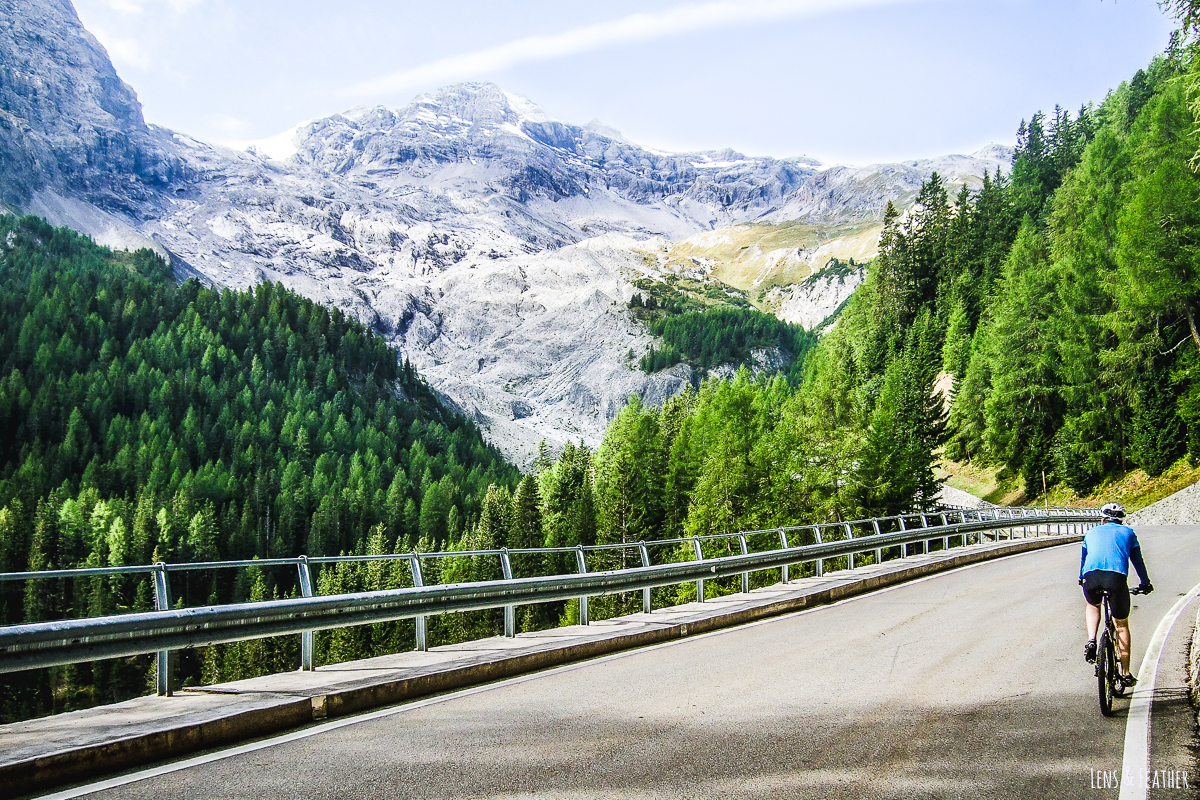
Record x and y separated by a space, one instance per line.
1057 302
144 420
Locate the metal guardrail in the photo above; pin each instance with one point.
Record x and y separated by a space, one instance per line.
44 644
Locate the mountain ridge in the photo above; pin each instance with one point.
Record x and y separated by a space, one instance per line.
413 219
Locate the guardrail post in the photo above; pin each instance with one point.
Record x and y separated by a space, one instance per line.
583 601
745 575
849 535
699 581
645 563
414 563
820 561
510 612
306 637
783 571
162 602
878 550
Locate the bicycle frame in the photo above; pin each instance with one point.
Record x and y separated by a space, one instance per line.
1108 682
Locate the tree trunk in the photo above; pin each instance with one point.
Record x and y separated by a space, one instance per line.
1192 325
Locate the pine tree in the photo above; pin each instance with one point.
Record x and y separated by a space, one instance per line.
895 469
495 520
629 474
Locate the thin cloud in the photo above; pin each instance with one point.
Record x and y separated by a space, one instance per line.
228 124
126 52
675 21
138 6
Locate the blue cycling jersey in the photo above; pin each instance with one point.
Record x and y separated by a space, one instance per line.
1111 547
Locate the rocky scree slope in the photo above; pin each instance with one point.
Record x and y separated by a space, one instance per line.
494 246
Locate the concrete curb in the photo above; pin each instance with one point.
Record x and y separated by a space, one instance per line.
65 766
280 711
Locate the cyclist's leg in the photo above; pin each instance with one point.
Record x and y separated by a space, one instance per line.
1123 643
1091 619
1092 594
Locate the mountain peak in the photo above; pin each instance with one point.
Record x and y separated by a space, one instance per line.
479 103
607 131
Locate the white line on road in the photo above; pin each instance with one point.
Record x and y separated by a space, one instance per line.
325 727
1136 763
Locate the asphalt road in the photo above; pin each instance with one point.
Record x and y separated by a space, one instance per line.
966 684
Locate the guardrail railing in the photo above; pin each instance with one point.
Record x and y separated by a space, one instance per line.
44 644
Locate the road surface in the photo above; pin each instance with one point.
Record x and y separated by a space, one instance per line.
969 683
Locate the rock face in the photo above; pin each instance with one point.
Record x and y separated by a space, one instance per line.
812 301
494 246
67 122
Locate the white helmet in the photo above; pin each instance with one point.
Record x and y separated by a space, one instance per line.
1113 511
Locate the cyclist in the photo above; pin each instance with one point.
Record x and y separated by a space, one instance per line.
1107 550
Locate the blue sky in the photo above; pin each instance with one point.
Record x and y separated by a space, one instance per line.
846 81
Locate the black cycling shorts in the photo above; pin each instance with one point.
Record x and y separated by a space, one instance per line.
1117 586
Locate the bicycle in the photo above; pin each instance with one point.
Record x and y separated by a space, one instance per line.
1108 673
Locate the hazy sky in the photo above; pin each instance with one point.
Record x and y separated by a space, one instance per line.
849 81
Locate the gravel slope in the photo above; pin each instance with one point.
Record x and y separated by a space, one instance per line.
957 497
1181 508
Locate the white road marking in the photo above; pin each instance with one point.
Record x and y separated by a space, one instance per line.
325 727
1136 762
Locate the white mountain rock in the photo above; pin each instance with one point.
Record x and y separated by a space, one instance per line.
496 247
812 301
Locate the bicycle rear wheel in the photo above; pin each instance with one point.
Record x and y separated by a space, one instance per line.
1106 673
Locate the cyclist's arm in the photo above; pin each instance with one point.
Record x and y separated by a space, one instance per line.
1135 555
1082 560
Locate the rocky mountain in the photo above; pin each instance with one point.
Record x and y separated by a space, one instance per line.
68 123
496 247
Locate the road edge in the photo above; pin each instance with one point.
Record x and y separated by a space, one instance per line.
1135 762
